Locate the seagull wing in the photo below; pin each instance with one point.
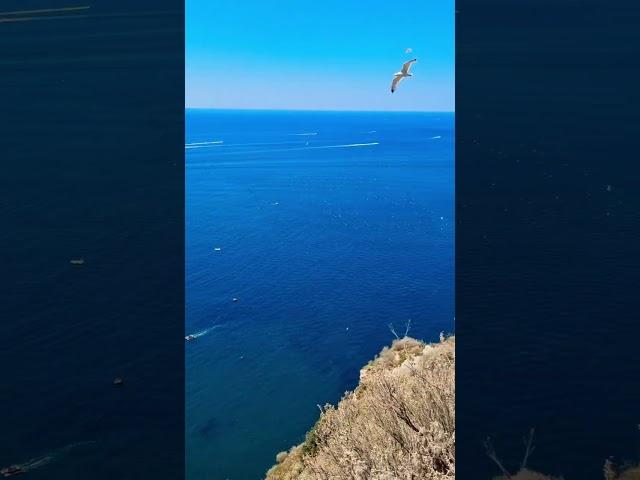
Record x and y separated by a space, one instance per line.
396 81
407 66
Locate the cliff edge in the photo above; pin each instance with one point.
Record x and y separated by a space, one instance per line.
398 423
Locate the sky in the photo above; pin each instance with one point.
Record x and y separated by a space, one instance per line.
319 54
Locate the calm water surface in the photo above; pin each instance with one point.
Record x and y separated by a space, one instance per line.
325 227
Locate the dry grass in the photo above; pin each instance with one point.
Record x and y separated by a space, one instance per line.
626 472
632 473
610 472
526 474
398 424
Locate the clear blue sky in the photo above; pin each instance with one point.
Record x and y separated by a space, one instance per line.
319 54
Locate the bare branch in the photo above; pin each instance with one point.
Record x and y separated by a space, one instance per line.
491 453
609 470
528 442
393 331
408 327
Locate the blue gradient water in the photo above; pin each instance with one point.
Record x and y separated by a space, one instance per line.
323 239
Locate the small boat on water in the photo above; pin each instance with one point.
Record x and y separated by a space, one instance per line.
194 336
12 470
77 261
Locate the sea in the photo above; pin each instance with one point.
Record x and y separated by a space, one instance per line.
91 149
310 236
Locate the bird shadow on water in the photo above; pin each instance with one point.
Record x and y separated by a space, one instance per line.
214 427
209 428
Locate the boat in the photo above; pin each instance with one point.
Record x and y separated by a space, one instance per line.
190 337
118 381
77 261
12 470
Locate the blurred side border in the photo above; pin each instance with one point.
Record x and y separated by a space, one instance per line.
92 238
547 233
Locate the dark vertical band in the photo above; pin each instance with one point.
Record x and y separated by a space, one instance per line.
546 254
92 239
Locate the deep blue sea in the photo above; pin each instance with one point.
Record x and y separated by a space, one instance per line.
91 149
325 227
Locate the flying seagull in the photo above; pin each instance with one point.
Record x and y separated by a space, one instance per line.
402 74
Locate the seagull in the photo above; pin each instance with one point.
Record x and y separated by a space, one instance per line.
402 74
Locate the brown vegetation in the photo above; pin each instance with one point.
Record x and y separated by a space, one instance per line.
399 423
627 472
632 473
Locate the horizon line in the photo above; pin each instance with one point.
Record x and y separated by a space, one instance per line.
316 110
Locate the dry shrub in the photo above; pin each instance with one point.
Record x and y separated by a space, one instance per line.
628 472
398 424
525 474
289 466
